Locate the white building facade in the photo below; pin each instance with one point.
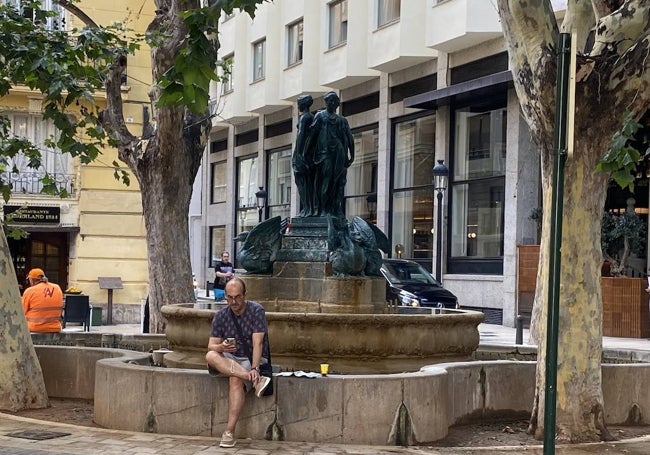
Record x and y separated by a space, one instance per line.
419 81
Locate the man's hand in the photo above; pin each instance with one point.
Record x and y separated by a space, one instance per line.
228 347
254 376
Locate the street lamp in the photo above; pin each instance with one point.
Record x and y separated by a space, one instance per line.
261 201
440 175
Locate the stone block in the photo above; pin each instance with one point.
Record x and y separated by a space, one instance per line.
625 393
189 408
310 409
123 395
426 399
360 397
498 393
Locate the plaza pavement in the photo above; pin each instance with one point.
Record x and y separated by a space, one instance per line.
90 440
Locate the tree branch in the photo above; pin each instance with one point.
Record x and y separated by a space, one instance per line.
630 77
618 31
531 31
581 19
74 9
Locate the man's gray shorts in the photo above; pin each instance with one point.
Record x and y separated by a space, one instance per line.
243 361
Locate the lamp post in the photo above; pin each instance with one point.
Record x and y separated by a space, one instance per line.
261 201
440 175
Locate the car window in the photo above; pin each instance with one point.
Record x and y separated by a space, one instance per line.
408 272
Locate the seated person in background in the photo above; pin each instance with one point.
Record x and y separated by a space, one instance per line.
42 303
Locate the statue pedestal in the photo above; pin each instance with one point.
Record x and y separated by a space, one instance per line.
308 287
302 279
305 242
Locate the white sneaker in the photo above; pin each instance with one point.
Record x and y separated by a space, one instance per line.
261 385
227 439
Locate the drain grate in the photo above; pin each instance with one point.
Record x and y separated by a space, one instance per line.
37 435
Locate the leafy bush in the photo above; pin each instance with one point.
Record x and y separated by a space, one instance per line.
621 235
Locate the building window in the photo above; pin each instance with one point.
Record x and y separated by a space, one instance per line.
412 199
258 60
294 43
41 133
387 11
361 185
279 183
226 65
246 188
217 244
338 21
56 22
478 183
218 179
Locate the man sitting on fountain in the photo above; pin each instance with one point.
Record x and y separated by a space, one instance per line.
235 329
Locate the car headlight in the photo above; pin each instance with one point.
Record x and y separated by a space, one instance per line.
408 299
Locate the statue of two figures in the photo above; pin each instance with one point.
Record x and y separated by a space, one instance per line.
324 151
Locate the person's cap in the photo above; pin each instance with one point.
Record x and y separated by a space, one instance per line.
36 273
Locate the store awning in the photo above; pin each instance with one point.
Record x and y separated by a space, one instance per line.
481 86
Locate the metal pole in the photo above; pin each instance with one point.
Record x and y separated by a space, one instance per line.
555 256
439 239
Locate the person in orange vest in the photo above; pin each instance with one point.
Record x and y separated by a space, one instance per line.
42 303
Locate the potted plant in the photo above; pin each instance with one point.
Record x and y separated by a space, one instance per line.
625 303
621 235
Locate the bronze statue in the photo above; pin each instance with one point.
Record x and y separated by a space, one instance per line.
324 151
302 165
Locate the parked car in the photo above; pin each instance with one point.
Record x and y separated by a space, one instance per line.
410 284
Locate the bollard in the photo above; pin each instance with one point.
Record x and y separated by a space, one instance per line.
519 336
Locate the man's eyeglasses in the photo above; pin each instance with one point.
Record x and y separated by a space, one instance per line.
232 298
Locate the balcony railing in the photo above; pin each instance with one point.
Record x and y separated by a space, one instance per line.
31 182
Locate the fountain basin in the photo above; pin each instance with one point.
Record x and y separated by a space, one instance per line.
350 343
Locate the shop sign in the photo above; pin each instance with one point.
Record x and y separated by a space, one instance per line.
32 214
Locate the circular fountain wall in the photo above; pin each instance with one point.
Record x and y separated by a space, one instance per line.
350 343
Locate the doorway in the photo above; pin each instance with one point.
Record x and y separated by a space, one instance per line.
45 250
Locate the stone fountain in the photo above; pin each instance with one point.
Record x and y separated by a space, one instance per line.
316 315
319 277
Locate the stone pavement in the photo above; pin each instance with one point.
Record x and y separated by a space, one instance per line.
85 440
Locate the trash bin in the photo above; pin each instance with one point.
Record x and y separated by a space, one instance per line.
96 316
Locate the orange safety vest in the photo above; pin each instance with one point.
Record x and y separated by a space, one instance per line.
43 305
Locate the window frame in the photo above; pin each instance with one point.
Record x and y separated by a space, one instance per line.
368 171
259 58
227 79
246 209
388 11
417 191
278 202
295 42
337 23
218 187
480 265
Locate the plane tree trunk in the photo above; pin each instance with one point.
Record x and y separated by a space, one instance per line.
612 77
21 378
165 161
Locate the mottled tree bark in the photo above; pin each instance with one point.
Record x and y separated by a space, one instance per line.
612 77
21 378
165 163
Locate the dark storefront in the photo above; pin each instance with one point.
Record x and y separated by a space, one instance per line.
43 243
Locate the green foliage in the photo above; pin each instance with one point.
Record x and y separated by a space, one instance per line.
67 68
621 235
187 82
623 156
